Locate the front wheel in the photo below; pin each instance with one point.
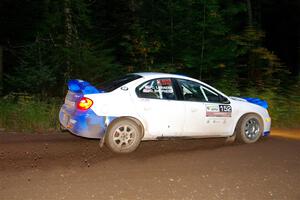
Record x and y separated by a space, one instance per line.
123 136
249 129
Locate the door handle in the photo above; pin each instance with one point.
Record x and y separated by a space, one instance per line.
146 108
194 109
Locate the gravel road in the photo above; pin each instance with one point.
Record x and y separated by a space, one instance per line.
63 166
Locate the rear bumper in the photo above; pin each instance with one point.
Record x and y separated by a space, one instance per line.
83 123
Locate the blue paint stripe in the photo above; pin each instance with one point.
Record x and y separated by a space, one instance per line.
257 101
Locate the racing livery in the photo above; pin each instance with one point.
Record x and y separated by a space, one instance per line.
149 106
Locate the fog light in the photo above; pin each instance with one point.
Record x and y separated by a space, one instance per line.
268 119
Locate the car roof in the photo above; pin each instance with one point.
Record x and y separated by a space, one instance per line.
153 75
160 75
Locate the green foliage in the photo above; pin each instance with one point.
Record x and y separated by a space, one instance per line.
284 105
36 73
259 67
99 40
141 48
227 84
20 112
188 35
58 55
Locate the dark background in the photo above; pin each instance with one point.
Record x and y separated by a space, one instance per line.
243 48
281 22
113 35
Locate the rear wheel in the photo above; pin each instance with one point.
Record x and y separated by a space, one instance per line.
249 129
123 136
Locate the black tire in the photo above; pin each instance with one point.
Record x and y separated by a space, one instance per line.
249 129
123 136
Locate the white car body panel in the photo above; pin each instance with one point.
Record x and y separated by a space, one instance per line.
171 118
161 117
198 124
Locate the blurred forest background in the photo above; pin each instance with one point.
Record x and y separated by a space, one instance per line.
243 48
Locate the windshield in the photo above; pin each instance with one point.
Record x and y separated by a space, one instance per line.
111 85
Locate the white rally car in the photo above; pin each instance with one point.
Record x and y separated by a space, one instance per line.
149 106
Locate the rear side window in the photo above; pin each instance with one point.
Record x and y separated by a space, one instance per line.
116 83
157 89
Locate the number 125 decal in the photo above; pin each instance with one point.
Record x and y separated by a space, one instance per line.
225 108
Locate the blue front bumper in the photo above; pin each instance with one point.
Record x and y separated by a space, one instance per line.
266 133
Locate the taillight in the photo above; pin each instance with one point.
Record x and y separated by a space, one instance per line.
84 103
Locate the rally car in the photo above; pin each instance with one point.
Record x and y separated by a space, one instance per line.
150 106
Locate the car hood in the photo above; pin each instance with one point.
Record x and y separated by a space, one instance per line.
256 101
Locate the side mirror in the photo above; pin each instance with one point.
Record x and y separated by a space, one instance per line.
224 100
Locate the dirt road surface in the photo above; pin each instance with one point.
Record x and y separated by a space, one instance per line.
63 166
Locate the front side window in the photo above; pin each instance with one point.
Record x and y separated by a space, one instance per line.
157 89
193 91
210 95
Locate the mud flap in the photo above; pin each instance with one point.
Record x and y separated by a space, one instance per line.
231 139
102 141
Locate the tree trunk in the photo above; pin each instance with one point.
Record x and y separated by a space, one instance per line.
1 70
132 6
68 23
68 35
249 10
172 31
298 52
202 41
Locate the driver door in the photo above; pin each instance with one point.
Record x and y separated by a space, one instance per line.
206 113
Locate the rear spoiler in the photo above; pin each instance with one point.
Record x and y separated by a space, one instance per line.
80 86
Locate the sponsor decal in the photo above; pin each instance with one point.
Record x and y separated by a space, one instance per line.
164 82
163 85
215 110
165 89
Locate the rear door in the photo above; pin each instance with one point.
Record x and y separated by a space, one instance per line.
158 106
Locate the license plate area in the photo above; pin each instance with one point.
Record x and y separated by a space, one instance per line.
66 119
69 103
